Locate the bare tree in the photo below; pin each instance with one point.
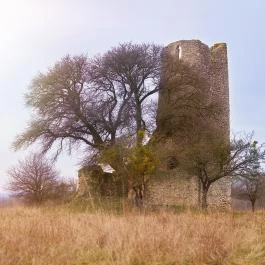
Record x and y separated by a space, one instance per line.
252 184
33 179
132 70
92 101
216 159
252 179
67 109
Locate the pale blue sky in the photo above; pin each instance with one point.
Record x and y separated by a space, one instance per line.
36 33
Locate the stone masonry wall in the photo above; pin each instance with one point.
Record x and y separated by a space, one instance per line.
220 86
175 188
209 69
83 184
170 190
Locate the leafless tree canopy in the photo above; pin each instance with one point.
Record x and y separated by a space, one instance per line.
92 101
33 179
252 187
184 111
251 178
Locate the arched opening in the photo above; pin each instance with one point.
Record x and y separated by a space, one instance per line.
178 52
172 162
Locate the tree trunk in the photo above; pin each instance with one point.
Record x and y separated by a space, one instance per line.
136 196
138 120
204 204
199 192
253 205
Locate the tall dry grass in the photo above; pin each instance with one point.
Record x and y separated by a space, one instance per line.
60 236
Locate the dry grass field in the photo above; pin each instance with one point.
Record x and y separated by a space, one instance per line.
59 236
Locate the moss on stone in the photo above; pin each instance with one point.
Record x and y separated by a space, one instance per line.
217 46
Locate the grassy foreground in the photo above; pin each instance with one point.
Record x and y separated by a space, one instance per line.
60 236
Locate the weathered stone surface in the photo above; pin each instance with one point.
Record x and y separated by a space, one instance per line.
173 188
220 194
176 188
196 67
189 66
83 184
94 181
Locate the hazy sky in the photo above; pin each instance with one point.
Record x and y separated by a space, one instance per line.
37 33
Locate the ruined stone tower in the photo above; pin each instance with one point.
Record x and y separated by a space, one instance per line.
194 79
191 70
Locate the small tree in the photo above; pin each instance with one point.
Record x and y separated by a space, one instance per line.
141 163
33 179
252 184
213 160
134 165
202 160
252 179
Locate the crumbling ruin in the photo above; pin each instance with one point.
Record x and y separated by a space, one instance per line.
188 66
